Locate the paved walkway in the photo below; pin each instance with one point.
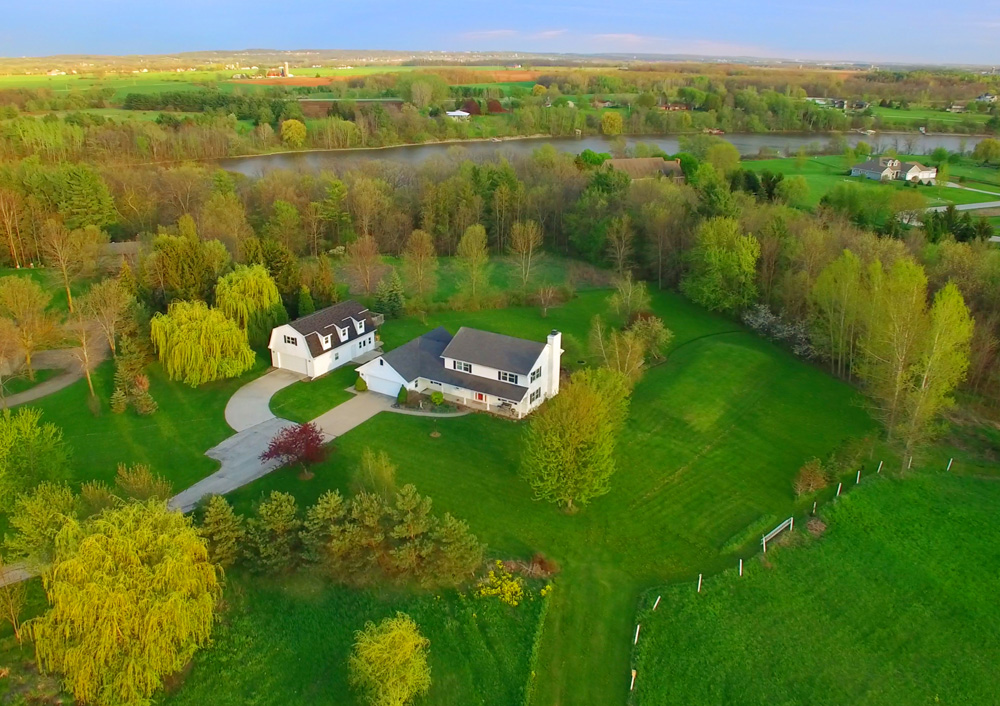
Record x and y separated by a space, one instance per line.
347 415
968 206
250 405
53 360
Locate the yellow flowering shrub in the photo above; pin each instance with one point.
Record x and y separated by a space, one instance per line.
501 583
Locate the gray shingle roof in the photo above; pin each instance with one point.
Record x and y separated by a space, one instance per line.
422 357
325 322
494 350
872 165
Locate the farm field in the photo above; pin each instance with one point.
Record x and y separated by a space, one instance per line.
714 437
925 115
887 607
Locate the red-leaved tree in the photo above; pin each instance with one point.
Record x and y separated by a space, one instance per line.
301 444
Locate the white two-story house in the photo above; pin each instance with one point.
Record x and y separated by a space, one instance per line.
324 340
475 368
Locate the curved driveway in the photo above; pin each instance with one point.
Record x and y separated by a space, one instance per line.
251 404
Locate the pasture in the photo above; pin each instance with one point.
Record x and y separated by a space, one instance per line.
923 116
714 437
894 604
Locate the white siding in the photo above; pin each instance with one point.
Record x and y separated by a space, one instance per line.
381 377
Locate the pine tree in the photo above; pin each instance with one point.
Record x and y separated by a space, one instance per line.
389 297
306 305
323 527
457 553
370 516
223 532
413 523
274 533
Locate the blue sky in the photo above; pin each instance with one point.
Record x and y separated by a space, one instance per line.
963 31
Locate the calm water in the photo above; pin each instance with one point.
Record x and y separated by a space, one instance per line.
748 145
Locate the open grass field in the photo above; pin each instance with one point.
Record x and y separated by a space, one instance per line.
894 604
823 173
714 438
922 116
172 441
287 642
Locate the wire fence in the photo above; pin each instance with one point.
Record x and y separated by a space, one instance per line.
787 525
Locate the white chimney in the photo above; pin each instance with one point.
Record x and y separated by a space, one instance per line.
555 357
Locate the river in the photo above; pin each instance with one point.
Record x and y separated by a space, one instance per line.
747 144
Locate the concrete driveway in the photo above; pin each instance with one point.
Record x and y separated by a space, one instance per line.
250 405
347 415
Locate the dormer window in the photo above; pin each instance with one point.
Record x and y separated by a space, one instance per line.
327 341
359 326
343 333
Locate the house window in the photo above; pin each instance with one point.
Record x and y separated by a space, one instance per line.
291 340
381 362
535 395
336 356
460 366
435 382
507 377
327 341
535 374
359 326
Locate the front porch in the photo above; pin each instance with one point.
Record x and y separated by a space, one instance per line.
476 401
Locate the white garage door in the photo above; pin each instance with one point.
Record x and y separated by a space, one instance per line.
386 387
293 363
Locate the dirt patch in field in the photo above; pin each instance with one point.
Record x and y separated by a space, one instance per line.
816 526
988 212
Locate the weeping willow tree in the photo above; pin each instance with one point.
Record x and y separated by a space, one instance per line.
248 296
132 596
197 344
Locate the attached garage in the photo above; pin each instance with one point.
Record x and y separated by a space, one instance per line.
381 378
289 362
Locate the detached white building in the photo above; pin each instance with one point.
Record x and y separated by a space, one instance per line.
478 369
324 340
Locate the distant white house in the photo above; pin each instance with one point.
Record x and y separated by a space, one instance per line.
987 98
478 369
457 115
889 169
324 340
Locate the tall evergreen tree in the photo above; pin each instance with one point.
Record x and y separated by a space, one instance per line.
389 298
223 531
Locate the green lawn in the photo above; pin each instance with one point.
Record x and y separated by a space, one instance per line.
304 401
287 643
925 115
823 173
51 283
714 438
172 441
895 604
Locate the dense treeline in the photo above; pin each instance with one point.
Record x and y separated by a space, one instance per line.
676 235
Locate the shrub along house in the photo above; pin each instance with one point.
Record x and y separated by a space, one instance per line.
325 340
478 369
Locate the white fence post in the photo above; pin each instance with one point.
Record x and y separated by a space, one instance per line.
858 479
950 461
839 486
764 541
699 583
636 640
631 688
741 567
814 507
910 463
791 524
879 467
657 602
